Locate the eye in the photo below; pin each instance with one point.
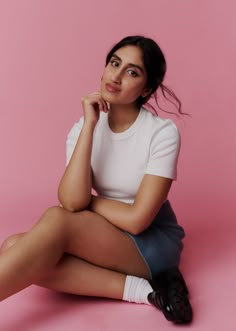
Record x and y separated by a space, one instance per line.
132 73
114 63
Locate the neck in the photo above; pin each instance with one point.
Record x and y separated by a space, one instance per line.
121 117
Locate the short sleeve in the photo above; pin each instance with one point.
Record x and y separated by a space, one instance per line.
164 152
72 139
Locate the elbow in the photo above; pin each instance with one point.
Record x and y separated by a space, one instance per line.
68 208
137 228
136 231
139 224
73 205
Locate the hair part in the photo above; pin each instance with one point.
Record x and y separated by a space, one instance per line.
155 66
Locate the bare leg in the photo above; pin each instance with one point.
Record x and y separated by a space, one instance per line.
34 254
76 276
37 256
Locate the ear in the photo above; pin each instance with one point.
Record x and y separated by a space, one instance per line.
146 91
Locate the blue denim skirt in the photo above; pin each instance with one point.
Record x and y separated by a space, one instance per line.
160 244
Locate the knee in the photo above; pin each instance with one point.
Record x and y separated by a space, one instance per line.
10 241
54 212
55 216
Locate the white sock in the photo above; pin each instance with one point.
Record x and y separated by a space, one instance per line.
136 290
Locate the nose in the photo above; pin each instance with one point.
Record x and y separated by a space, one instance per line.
116 76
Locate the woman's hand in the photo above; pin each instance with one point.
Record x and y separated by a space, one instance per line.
92 105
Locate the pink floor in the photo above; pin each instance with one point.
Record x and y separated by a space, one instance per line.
208 265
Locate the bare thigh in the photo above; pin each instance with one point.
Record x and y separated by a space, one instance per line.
94 239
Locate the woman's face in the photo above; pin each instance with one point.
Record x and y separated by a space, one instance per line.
124 78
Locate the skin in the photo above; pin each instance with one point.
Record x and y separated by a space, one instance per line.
81 248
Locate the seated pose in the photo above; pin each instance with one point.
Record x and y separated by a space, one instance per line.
114 234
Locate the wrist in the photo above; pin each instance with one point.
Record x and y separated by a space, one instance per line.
89 125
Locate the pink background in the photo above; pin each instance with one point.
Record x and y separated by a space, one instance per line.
52 53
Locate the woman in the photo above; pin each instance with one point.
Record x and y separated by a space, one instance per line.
124 242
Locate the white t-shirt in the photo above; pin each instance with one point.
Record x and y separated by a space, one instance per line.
120 160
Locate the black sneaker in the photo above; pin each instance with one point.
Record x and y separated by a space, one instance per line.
170 295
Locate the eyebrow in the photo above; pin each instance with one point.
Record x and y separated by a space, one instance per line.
130 64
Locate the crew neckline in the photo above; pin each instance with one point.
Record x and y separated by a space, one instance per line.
127 133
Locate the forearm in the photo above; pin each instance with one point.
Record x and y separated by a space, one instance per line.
135 218
74 190
118 213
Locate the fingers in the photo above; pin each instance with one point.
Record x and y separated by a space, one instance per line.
96 98
103 104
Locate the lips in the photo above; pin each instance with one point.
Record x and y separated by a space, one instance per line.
112 88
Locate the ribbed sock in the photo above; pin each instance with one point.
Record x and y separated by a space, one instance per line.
136 290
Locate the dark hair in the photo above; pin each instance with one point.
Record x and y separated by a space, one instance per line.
155 65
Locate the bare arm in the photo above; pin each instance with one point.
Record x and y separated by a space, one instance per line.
137 217
74 192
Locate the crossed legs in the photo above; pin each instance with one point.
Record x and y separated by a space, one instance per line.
80 253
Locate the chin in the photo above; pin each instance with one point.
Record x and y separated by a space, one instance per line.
109 97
